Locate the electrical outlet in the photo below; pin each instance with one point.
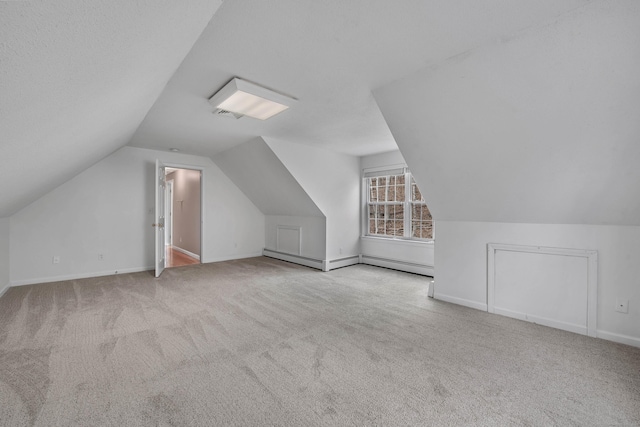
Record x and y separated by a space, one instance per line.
622 305
100 257
56 259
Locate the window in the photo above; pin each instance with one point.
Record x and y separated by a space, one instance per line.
395 206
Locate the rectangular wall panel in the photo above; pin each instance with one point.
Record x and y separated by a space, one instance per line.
550 286
288 239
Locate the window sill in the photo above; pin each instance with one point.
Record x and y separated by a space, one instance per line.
399 240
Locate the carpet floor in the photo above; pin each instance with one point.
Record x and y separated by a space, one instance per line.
260 342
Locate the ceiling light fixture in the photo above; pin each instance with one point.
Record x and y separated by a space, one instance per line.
247 99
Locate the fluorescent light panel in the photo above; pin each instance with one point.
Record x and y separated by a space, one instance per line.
248 99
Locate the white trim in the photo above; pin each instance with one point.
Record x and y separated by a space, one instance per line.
233 257
399 240
382 169
5 289
40 280
296 259
168 225
592 280
50 279
406 204
460 301
619 338
332 264
552 323
186 252
202 170
409 267
289 227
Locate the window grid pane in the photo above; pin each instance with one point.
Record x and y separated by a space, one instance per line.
387 199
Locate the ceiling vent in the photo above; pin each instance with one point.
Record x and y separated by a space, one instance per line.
224 113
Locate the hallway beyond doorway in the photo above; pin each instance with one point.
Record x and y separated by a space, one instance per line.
175 258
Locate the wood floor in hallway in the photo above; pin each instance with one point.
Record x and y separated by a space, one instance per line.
176 258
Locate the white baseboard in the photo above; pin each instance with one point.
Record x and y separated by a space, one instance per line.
186 252
552 323
296 259
232 257
332 264
328 265
50 279
409 267
619 338
4 289
460 301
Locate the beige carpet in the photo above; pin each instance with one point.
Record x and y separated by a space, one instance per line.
260 342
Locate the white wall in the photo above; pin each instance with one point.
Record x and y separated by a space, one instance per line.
405 251
461 265
108 209
258 172
261 175
390 158
4 253
332 180
537 128
313 233
532 129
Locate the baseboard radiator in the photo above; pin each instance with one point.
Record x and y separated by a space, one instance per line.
409 267
327 265
296 259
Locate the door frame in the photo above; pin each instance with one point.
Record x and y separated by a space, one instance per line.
168 225
201 169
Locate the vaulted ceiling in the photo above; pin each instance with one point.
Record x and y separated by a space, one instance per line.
76 80
328 54
543 127
82 79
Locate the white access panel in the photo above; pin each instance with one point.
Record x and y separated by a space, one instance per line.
289 239
554 287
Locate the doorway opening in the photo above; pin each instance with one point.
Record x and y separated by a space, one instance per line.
183 217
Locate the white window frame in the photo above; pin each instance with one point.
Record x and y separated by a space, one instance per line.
407 203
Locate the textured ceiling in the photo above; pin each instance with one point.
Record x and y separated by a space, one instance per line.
77 78
328 54
541 128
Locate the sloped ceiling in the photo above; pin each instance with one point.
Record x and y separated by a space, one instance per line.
76 80
265 180
507 86
542 127
329 54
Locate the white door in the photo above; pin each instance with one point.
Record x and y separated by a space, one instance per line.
159 218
